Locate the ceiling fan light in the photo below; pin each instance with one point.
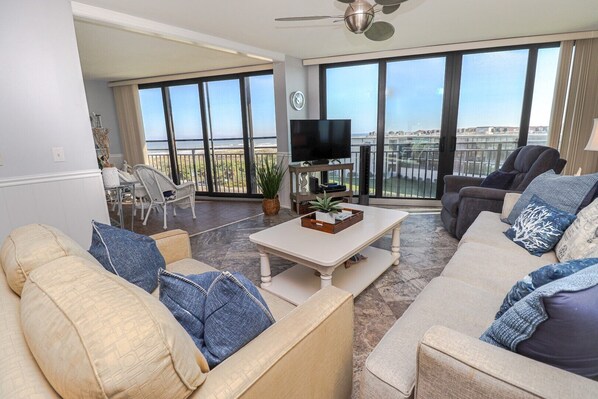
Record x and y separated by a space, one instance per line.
359 16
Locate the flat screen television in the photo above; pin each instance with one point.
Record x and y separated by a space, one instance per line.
318 140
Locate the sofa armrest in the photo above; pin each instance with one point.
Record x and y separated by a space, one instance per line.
454 183
306 354
174 245
454 365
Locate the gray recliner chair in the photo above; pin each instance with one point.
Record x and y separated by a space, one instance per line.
464 199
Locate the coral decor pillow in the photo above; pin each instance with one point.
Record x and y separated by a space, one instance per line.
539 227
94 335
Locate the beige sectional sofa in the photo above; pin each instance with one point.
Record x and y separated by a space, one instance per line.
306 353
433 350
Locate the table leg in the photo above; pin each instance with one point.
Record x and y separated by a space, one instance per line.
265 269
395 248
119 194
133 210
325 280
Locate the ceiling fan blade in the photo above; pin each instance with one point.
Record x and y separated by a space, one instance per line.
380 31
389 2
309 18
390 9
346 1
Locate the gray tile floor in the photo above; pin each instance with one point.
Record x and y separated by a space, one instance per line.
425 249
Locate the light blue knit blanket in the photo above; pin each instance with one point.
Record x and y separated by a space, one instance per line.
519 322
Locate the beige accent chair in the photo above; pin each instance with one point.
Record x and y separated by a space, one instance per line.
307 353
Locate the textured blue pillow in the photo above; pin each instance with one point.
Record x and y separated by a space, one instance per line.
498 179
539 227
542 276
132 256
521 322
563 192
185 297
221 311
235 313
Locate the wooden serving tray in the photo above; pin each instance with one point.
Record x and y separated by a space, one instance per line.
310 222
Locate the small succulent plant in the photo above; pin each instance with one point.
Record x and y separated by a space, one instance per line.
326 204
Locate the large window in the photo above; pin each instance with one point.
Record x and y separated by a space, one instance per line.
352 93
413 118
211 130
455 113
490 105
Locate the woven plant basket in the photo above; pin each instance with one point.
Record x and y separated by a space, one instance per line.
271 206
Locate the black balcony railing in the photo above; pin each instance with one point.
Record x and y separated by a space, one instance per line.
409 171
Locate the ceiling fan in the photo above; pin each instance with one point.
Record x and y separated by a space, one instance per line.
359 18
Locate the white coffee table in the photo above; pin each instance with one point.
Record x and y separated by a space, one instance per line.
327 253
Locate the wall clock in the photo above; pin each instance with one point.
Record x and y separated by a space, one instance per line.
297 100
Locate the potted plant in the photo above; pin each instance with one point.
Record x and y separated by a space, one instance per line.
269 180
326 209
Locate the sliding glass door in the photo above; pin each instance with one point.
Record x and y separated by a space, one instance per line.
210 131
490 107
454 113
413 117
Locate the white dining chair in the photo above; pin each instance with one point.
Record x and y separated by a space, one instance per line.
162 191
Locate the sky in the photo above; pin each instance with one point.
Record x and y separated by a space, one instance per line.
491 93
225 109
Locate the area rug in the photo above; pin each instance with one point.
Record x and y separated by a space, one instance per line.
426 248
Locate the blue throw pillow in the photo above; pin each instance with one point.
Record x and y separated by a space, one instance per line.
563 311
185 297
498 179
221 311
542 276
132 256
539 227
563 192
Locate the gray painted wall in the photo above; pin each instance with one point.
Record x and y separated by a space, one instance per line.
43 101
101 101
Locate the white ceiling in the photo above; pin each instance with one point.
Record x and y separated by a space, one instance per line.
417 23
113 54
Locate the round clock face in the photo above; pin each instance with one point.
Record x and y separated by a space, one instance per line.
297 100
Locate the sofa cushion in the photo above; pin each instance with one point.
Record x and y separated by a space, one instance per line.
542 276
28 247
493 269
487 229
95 335
391 367
508 204
279 307
20 376
563 192
581 238
576 319
132 256
539 227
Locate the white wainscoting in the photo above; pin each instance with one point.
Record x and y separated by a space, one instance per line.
68 201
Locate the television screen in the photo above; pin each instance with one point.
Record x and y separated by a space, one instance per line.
313 140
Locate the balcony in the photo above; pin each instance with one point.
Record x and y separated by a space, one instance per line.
408 172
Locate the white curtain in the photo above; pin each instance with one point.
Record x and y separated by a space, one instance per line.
575 108
128 110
